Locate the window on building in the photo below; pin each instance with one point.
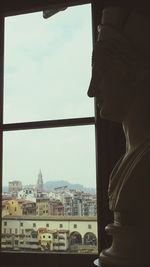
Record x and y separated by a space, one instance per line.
21 224
47 225
60 225
5 223
34 224
55 236
75 226
89 226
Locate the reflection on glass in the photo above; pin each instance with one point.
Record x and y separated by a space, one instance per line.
49 197
47 65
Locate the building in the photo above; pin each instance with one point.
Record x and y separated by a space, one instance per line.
76 202
55 233
27 240
14 187
55 207
28 207
53 240
42 206
26 193
18 207
13 207
4 208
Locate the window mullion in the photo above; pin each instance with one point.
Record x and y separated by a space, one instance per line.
48 124
1 103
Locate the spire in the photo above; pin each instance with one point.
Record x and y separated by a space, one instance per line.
40 182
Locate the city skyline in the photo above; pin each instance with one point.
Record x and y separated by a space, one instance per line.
47 69
59 183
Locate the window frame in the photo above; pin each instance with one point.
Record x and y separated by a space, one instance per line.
110 143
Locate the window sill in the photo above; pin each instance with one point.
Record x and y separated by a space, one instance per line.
36 259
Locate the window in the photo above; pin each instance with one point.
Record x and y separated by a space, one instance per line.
111 142
21 224
54 117
75 226
89 226
47 225
5 223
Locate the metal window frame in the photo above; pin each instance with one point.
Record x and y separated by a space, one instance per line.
110 142
24 258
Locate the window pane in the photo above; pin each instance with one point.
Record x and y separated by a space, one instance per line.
49 190
47 65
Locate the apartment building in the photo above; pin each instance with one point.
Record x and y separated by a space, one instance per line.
42 205
55 207
18 207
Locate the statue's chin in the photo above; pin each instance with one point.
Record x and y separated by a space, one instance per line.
109 116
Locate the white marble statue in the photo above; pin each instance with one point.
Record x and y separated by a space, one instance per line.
121 83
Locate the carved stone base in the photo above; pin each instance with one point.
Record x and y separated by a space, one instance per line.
130 247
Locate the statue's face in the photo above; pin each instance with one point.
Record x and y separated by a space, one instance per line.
111 82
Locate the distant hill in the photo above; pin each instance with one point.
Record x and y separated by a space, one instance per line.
51 185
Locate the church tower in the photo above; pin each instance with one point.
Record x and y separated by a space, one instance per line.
39 185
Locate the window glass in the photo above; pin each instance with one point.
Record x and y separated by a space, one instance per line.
47 65
56 168
51 155
49 175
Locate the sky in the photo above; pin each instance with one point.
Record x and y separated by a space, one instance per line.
47 70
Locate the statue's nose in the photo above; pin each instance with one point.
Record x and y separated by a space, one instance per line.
91 90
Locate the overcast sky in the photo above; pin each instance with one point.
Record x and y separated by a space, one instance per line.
47 69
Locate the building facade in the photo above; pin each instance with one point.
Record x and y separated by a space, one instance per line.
56 233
